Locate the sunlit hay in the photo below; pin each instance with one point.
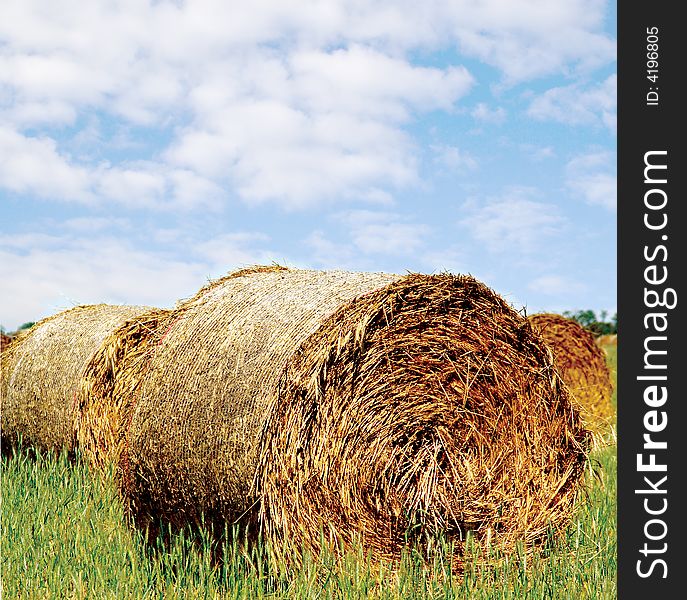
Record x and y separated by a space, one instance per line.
111 380
191 432
582 365
425 408
609 339
378 407
42 369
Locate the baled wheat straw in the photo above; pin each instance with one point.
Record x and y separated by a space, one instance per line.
41 371
374 407
582 365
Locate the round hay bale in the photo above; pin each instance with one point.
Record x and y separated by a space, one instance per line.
41 371
111 376
610 339
374 407
582 365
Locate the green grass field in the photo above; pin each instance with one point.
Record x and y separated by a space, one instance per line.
64 536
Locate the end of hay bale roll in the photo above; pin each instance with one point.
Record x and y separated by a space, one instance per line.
110 383
115 372
426 407
582 366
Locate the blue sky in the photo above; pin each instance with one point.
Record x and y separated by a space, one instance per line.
148 146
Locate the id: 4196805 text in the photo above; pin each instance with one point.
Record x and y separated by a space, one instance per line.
652 65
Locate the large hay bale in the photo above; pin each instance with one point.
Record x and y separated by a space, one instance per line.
367 405
582 365
41 371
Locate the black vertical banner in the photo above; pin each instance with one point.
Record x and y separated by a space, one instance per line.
652 348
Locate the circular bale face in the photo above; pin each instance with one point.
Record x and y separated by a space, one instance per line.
426 407
582 366
42 369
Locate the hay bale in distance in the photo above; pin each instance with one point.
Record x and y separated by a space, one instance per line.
41 371
609 339
582 365
367 405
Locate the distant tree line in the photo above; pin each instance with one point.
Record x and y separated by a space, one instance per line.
598 325
27 325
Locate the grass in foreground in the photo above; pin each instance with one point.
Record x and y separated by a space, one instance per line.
64 536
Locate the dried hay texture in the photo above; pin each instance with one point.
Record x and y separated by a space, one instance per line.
42 369
110 378
582 366
373 407
610 339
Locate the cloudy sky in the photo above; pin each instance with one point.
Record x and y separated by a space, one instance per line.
146 146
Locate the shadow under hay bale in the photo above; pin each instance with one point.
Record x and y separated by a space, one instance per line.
41 372
373 407
582 365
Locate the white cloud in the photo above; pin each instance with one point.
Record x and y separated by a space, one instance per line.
293 103
190 191
52 272
367 82
48 112
453 158
576 105
367 239
483 113
569 31
384 232
329 254
537 153
31 165
592 176
135 185
313 126
34 166
93 224
533 52
452 259
556 285
242 248
512 223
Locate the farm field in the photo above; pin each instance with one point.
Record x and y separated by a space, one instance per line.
64 536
